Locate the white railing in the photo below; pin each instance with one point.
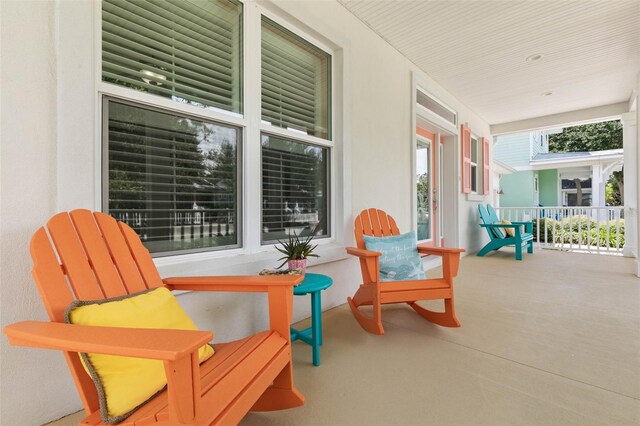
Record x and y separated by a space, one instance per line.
186 225
587 229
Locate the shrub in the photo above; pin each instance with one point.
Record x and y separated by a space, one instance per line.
580 230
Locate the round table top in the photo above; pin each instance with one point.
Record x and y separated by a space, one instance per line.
311 283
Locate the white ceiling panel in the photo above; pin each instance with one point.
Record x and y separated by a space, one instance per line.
477 50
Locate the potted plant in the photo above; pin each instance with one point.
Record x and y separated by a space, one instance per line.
296 252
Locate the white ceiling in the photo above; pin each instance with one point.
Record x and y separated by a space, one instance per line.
477 50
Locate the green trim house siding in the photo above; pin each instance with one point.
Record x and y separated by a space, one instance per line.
548 184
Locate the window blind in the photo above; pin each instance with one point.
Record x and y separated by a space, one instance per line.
296 82
294 188
173 179
465 136
187 50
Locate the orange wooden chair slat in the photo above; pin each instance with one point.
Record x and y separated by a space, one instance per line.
121 255
375 293
93 257
98 253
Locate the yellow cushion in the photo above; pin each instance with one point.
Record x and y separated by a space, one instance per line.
124 383
510 231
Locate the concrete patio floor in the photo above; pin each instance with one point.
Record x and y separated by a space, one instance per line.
554 339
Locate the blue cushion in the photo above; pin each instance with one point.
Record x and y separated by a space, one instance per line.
400 260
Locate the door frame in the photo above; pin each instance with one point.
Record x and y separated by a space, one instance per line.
447 135
424 137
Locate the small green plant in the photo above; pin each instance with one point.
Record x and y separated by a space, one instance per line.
295 248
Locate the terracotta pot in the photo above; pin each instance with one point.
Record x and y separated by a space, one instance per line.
300 264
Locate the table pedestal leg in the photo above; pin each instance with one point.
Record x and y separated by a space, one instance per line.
316 324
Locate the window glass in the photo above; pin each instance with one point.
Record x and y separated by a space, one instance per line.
173 179
434 106
474 164
188 50
296 82
474 150
294 189
573 183
571 198
423 186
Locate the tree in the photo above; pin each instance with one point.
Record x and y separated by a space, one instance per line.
578 191
588 137
219 186
424 200
616 182
594 137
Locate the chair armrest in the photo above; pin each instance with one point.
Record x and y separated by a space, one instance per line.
528 226
161 344
499 225
450 259
422 248
362 252
369 261
278 287
248 283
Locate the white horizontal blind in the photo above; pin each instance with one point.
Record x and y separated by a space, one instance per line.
296 82
173 179
294 188
186 50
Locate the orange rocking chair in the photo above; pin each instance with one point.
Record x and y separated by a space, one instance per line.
375 292
96 257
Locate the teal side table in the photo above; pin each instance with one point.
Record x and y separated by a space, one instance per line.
312 284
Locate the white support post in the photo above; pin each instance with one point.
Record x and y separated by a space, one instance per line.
631 161
597 187
636 165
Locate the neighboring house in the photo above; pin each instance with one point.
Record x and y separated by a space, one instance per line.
499 169
552 179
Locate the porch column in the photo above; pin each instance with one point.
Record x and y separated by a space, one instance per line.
597 187
636 163
630 145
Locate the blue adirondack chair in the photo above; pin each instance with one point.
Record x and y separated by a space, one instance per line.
499 238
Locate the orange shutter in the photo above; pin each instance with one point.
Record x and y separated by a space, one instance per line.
465 133
485 166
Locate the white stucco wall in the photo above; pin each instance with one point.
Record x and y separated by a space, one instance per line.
35 386
49 159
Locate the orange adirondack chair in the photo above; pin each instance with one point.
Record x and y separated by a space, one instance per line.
103 258
377 293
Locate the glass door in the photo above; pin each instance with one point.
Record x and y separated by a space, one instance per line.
438 191
424 187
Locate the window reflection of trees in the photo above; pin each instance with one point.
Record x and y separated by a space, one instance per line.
173 179
294 182
424 198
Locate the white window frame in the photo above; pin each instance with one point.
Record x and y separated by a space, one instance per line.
563 194
434 116
82 91
252 106
429 115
